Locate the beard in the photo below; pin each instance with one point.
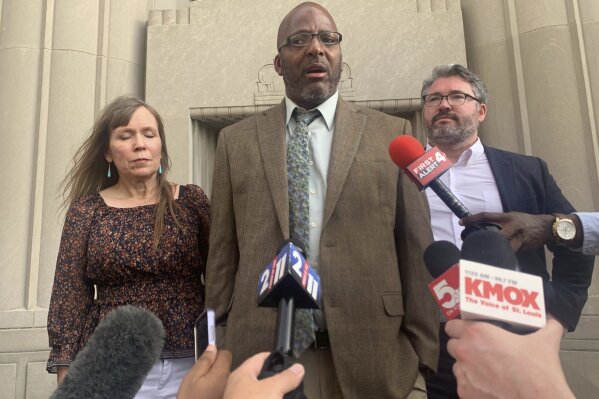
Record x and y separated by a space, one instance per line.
452 135
312 94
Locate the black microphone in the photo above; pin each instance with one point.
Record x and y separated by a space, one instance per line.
288 282
489 248
442 261
483 284
492 290
117 358
439 256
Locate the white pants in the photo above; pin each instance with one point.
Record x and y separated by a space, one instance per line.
164 379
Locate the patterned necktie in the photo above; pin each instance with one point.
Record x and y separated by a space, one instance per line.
298 176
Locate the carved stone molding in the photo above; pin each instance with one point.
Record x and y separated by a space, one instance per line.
179 16
226 115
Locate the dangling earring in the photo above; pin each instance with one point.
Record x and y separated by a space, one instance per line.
160 169
109 174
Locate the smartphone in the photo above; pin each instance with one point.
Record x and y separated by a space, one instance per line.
204 332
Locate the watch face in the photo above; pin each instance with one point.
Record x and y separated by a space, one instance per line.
566 229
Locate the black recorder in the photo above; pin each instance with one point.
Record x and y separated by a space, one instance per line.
204 332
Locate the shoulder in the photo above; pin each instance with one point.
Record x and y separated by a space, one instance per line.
86 203
380 118
528 160
243 124
192 193
273 113
192 190
83 208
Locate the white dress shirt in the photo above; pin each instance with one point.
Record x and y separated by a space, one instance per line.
470 179
321 139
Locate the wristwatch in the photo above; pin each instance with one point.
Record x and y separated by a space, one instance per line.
564 230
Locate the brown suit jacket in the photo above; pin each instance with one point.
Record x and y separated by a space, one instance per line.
382 321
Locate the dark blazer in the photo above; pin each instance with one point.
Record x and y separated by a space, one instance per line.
525 185
382 322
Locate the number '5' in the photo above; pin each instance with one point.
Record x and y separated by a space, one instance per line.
442 290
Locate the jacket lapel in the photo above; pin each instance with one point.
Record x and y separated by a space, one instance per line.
349 126
503 171
271 140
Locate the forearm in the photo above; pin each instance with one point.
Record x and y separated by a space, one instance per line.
571 278
61 373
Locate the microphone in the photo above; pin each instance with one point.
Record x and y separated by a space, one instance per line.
425 168
484 285
117 357
288 282
442 261
490 248
491 289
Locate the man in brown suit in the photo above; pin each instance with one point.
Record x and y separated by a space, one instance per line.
368 225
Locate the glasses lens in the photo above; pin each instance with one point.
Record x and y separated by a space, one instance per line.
456 99
304 39
432 100
328 38
300 39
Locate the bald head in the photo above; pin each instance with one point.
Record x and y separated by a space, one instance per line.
289 23
311 71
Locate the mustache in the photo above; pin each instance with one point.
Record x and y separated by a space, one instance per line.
445 115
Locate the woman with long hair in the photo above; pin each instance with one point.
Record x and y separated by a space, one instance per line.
130 237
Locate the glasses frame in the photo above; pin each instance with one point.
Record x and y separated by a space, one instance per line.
446 97
288 39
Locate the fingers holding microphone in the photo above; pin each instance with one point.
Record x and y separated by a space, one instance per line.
208 377
476 358
211 378
244 383
492 362
524 231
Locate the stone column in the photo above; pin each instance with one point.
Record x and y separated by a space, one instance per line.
540 60
60 63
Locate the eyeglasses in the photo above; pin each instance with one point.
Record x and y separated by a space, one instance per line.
304 39
453 99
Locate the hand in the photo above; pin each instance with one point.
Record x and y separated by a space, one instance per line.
61 373
244 384
524 231
494 363
208 377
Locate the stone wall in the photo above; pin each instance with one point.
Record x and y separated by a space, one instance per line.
205 64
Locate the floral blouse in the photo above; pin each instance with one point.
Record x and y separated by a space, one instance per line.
106 259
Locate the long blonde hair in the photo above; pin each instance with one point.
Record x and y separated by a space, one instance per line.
89 171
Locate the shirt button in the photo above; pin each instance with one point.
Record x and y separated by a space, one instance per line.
313 224
310 163
312 191
309 134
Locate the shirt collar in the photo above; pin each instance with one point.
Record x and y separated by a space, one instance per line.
327 109
473 153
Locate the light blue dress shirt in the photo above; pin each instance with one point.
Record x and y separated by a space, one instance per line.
590 228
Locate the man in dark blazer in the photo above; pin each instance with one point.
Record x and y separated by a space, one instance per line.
381 322
487 179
